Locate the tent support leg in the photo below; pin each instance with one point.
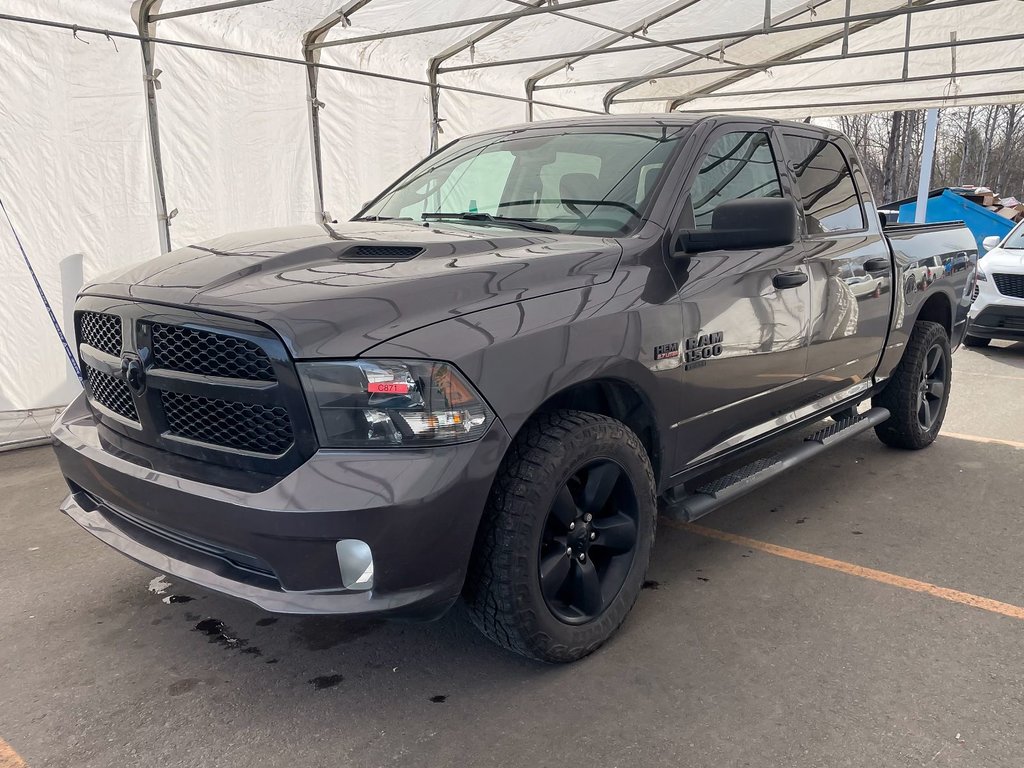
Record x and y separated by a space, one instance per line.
141 14
435 103
931 125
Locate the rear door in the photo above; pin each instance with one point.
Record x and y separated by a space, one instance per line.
846 258
745 330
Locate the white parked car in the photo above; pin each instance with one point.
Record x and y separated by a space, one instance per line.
998 308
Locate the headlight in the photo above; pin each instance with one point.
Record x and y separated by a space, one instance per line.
392 403
981 273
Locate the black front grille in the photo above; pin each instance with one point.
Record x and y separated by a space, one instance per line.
101 331
112 393
242 426
1010 285
179 348
219 390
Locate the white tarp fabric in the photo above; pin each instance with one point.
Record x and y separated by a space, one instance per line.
75 162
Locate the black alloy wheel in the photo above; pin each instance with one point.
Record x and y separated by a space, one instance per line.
564 544
589 541
931 392
917 392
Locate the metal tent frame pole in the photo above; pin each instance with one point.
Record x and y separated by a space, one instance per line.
311 55
141 15
146 14
465 44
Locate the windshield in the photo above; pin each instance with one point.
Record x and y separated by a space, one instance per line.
1015 239
588 182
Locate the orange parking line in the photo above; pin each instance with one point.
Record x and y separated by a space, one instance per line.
980 439
9 758
953 595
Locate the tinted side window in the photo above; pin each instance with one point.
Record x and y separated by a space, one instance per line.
826 186
737 165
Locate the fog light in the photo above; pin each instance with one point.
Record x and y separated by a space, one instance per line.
356 561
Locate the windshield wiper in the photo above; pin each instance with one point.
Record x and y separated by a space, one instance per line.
382 218
530 224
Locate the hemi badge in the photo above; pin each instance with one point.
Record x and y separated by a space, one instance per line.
388 387
666 351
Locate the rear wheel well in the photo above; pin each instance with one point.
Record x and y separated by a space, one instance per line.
937 309
618 400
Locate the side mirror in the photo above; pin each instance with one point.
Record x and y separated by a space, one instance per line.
991 242
744 224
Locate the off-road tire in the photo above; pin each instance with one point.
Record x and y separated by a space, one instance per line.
976 341
502 590
900 397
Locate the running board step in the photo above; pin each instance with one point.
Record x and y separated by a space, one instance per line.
726 488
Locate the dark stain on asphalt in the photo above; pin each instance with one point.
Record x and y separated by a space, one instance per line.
189 616
270 661
219 633
801 521
320 633
266 622
252 651
650 584
439 699
179 687
325 681
179 599
858 533
703 578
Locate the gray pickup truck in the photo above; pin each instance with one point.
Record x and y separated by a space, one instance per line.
489 382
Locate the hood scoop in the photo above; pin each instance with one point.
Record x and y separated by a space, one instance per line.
381 253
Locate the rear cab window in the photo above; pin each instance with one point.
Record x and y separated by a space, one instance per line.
825 187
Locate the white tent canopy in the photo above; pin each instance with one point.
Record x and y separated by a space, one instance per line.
249 101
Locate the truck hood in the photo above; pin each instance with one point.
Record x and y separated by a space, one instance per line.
338 292
1010 260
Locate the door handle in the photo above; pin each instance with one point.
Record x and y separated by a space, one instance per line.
789 280
876 265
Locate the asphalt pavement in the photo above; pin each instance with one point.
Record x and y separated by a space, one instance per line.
789 651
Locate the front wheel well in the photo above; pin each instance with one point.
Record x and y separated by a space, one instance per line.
618 400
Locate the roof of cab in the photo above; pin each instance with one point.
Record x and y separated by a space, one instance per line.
667 119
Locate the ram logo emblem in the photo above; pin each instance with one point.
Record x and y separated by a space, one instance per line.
700 349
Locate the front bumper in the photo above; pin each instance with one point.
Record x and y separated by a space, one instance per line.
417 509
995 316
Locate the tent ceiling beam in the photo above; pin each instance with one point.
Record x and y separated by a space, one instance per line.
723 45
981 97
455 24
829 86
203 9
774 63
811 45
636 31
758 30
532 82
